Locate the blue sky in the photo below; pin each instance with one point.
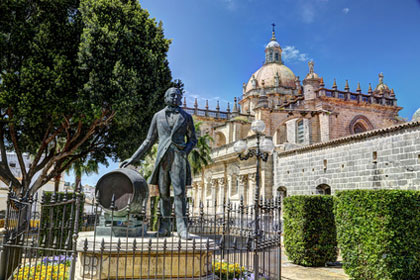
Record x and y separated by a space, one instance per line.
218 44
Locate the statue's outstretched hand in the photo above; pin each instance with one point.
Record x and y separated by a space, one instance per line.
126 162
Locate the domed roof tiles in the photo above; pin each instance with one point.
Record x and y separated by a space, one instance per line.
267 74
272 44
416 116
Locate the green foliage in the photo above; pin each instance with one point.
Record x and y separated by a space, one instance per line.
378 233
148 163
57 222
309 230
154 215
79 79
80 167
200 156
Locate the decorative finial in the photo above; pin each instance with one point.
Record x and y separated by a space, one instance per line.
207 104
381 78
235 105
228 107
185 101
359 90
346 87
321 84
217 106
311 66
392 92
273 36
370 88
195 103
334 84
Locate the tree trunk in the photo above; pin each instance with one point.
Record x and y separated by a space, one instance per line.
77 182
57 183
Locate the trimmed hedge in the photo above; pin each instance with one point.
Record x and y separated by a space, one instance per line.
379 233
309 230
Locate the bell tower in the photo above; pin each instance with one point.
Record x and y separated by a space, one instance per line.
273 49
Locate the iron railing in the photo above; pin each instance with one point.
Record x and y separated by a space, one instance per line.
223 242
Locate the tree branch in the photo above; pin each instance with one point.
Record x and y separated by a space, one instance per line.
48 173
31 171
17 149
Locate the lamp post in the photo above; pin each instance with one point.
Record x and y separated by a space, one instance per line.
262 151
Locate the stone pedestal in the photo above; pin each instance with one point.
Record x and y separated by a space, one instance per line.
142 258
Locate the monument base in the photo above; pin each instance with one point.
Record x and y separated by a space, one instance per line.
102 257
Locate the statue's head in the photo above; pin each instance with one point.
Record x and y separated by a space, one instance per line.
173 97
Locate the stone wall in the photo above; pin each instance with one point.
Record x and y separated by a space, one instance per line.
382 158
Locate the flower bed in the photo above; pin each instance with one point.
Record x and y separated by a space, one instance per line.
54 268
228 271
233 271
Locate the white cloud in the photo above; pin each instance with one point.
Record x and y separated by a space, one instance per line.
307 12
309 9
346 10
230 4
290 53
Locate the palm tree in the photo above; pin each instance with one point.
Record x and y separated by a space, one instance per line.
200 156
81 167
148 163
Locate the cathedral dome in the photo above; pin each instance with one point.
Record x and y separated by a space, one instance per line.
272 44
272 75
416 116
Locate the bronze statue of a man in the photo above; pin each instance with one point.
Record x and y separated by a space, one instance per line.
174 128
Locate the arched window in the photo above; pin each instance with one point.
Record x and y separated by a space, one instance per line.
360 124
277 56
323 189
220 139
359 128
282 192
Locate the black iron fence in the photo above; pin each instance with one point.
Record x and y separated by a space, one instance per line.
68 244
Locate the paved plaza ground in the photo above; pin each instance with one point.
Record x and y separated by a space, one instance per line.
291 271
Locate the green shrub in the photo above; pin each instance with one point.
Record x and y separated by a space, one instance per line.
309 230
57 222
378 233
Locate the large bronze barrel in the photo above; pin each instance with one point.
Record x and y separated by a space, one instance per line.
126 185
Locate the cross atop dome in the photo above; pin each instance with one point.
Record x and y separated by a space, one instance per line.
273 36
273 49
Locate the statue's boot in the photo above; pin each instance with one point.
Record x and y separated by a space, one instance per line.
182 228
163 232
184 234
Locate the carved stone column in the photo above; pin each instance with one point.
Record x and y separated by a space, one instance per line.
214 193
251 188
243 185
222 190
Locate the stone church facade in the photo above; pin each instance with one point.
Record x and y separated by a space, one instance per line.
301 117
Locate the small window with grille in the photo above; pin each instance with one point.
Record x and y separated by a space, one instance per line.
300 135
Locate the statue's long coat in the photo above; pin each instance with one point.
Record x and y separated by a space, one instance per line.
182 136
